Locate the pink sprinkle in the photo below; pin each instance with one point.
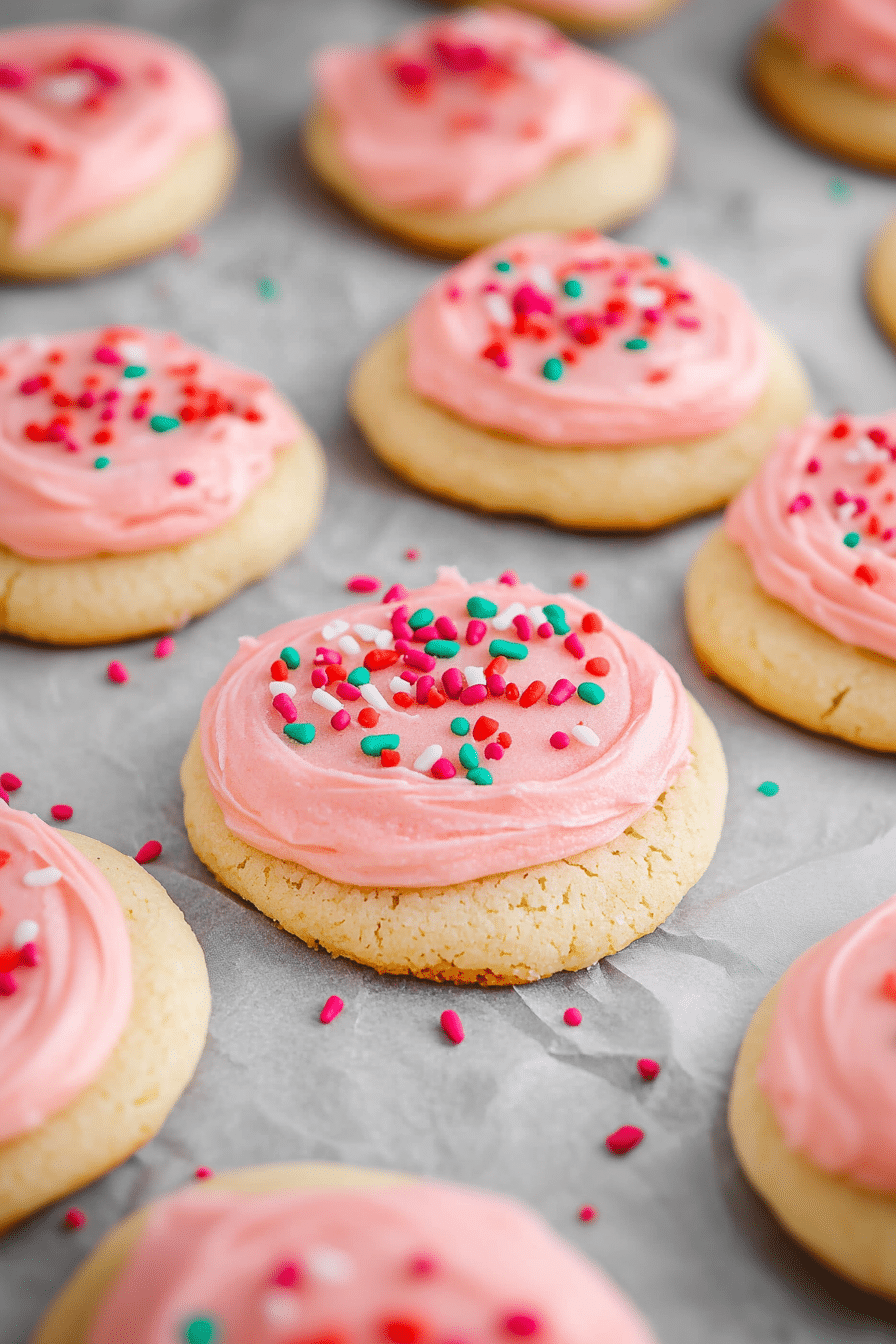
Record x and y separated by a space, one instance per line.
572 1017
318 677
32 385
284 706
331 1009
288 1274
473 695
203 1173
476 631
689 323
624 1139
800 503
189 245
841 497
424 634
104 73
117 672
574 645
10 781
74 1219
412 553
329 656
3 794
528 300
559 740
29 955
545 630
140 412
509 577
86 400
587 1214
410 677
347 691
184 478
14 77
446 627
396 593
496 685
813 466
61 812
106 355
452 682
146 853
452 1026
560 692
521 1323
494 751
8 984
411 74
112 395
454 292
523 627
341 720
424 662
422 1265
443 769
363 583
423 687
164 648
648 1069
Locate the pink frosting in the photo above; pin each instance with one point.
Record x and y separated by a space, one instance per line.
458 111
818 525
580 340
90 115
829 1068
403 1263
856 35
65 985
327 805
88 466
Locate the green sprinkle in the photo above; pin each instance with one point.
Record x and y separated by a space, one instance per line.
422 616
840 190
503 266
481 608
769 788
460 727
300 732
591 693
507 648
851 539
468 756
480 775
379 742
134 371
359 676
99 462
268 289
573 288
442 648
556 618
553 369
661 259
200 1331
160 423
636 343
290 656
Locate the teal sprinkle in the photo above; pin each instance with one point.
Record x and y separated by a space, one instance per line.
300 732
100 462
134 371
460 727
161 423
661 259
636 343
378 743
840 190
442 648
359 676
503 266
290 656
479 776
422 616
468 756
573 288
553 369
507 648
268 289
591 693
556 618
200 1331
481 608
769 788
851 539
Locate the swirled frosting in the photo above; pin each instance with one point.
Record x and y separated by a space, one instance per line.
580 340
828 1069
458 111
65 972
402 1263
489 778
90 115
855 35
818 526
124 439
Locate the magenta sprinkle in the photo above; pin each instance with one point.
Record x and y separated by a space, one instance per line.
401 630
29 955
164 648
446 628
62 812
574 645
494 751
648 1069
288 1274
117 672
424 634
318 677
424 662
452 1026
443 769
528 300
521 1323
559 741
363 583
32 385
203 1173
587 1213
410 677
545 630
74 1219
14 77
396 593
8 984
331 1009
473 695
476 631
341 720
560 692
412 553
104 73
140 411
411 74
329 656
146 853
112 395
452 682
813 466
423 1264
423 688
347 691
509 577
3 794
286 709
572 1017
86 400
496 685
800 503
106 355
624 1139
10 781
523 627
184 478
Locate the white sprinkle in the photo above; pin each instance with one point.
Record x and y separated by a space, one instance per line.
329 1264
399 684
42 877
537 615
427 759
325 700
646 296
539 71
385 639
368 633
499 309
281 1307
132 351
585 734
504 619
847 511
26 931
67 89
334 628
475 676
373 697
348 644
543 278
866 450
282 688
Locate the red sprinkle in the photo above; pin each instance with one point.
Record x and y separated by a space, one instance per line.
598 667
512 691
378 659
452 1026
388 756
484 727
572 1017
404 701
624 1139
8 984
164 648
368 718
505 740
203 1173
74 1219
592 623
403 1332
10 782
279 670
587 1213
363 583
61 812
888 986
146 853
648 1069
532 694
579 580
865 574
496 666
331 1009
117 672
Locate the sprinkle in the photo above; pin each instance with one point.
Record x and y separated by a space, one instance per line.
442 648
285 707
443 769
363 583
556 617
888 986
503 266
412 553
453 684
475 676
349 645
164 648
75 1219
592 623
521 1323
290 656
482 609
424 662
100 462
446 627
561 692
452 1026
106 355
574 645
327 701
389 758
10 782
347 690
359 676
839 190
341 720
468 756
552 369
851 539
598 667
494 751
573 288
300 732
504 619
635 343
26 931
427 758
496 686
509 578
523 627
421 617
590 693
403 700
8 984
134 371
661 259
648 1069
505 740
395 593
865 574
162 423
572 1017
586 735
559 741
769 788
624 1139
476 632
203 1174
42 877
284 687
460 727
484 727
287 1274
29 955
61 812
579 579
330 1011
423 1265
479 775
146 853
512 691
587 1214
200 1331
508 648
800 503
268 289
473 695
379 742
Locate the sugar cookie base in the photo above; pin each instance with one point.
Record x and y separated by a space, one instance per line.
69 1318
632 486
575 20
881 280
829 108
599 188
850 1228
781 661
508 929
128 1102
189 192
111 597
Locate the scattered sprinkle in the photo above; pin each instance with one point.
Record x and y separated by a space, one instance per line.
587 1213
164 648
851 540
61 812
452 1026
579 579
42 877
74 1219
363 583
268 289
559 741
200 1330
839 190
146 853
769 788
572 1017
117 673
624 1139
331 1009
412 553
552 369
648 1069
203 1173
509 578
10 782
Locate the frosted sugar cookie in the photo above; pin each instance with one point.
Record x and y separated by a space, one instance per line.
827 70
113 143
793 601
574 378
601 18
104 1005
464 130
470 783
142 480
813 1107
272 1253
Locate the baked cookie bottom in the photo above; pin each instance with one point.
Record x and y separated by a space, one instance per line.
111 597
829 108
599 188
574 20
154 1060
70 1317
881 280
633 487
849 1227
184 196
507 929
780 660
